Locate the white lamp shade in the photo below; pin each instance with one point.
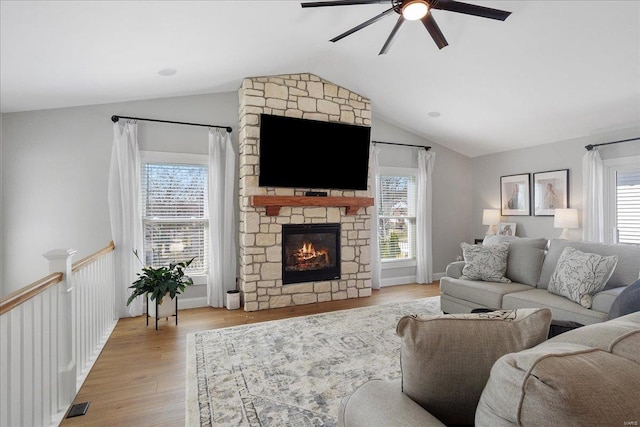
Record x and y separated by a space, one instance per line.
565 218
490 216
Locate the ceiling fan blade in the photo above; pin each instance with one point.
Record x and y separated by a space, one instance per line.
434 30
341 3
392 35
470 9
361 26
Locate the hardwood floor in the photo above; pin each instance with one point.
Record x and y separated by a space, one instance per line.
139 378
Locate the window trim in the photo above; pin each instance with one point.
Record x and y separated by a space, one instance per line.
178 159
387 264
610 168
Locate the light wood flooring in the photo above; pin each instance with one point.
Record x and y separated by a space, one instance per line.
139 378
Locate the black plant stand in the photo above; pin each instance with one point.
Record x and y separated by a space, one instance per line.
157 312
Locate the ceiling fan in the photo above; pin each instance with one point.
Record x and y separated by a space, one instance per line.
413 10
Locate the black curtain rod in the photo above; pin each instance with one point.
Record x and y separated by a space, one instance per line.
404 145
592 146
115 119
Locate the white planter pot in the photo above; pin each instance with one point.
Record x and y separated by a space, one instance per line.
165 310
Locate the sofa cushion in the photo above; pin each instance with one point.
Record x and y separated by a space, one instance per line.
602 301
586 377
446 359
479 293
379 403
485 262
579 275
561 307
524 262
627 302
626 271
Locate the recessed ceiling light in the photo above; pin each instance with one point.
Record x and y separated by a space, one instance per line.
433 114
167 72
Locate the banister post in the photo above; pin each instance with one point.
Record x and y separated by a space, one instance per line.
60 261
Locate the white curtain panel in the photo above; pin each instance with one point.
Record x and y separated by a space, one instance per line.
124 214
374 167
424 202
593 197
222 222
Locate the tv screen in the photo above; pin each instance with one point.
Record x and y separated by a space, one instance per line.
311 154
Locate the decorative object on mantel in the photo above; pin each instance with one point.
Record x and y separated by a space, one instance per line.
514 195
274 203
565 219
491 217
157 282
414 10
550 191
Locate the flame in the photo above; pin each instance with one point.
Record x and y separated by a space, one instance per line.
308 252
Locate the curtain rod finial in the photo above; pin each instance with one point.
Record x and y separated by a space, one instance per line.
115 119
589 147
229 129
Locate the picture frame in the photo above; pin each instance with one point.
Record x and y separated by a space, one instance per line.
515 195
550 191
507 229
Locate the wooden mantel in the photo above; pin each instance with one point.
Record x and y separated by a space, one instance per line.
274 203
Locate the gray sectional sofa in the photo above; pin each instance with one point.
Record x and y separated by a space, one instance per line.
530 264
585 377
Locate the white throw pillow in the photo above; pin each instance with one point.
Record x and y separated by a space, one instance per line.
579 275
485 262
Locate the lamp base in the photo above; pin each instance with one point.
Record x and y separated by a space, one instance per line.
491 230
565 234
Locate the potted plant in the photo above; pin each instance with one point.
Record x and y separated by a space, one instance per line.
156 283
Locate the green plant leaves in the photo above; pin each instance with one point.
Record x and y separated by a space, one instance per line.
160 281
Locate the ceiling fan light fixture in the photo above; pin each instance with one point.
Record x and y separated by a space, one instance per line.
413 10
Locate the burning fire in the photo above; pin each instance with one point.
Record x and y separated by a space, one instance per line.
307 257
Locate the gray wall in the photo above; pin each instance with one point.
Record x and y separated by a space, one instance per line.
55 166
451 192
487 171
55 169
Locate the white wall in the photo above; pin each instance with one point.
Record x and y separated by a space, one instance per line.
55 166
487 171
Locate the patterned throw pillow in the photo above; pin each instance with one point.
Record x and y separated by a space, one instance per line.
579 275
485 262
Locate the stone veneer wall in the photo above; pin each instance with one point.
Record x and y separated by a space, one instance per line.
260 278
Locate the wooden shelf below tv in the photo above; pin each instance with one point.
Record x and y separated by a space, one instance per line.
274 203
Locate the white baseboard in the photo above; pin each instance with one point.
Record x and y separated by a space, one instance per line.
405 280
196 302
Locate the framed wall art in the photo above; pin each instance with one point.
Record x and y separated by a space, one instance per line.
507 229
515 195
550 191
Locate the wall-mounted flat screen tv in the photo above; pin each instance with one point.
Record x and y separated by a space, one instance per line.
312 154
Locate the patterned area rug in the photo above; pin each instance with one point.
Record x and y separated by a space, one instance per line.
292 372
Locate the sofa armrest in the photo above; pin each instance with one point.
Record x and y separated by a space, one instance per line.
379 403
454 269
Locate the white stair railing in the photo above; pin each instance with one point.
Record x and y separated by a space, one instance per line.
44 352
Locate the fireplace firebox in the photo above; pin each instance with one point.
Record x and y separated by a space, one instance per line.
310 252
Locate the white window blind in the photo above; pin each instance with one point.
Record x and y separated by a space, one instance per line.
174 214
397 216
628 206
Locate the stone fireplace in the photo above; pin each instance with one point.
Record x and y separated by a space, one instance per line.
265 228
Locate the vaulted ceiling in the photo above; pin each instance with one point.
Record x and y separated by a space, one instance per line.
554 70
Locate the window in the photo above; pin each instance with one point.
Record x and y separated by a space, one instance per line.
397 214
174 211
622 200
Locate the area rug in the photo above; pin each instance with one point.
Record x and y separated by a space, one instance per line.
292 372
